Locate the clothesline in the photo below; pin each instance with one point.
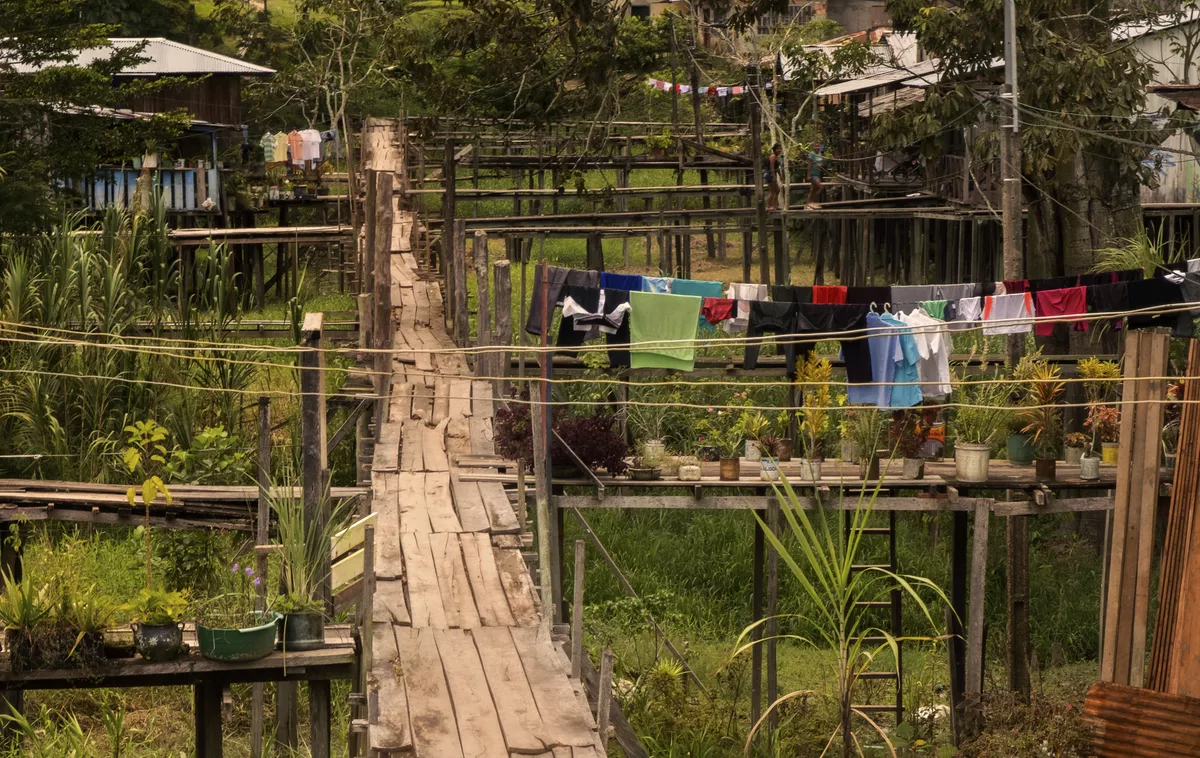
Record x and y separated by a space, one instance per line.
713 90
298 147
904 357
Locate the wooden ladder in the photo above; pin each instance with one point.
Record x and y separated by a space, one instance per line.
895 624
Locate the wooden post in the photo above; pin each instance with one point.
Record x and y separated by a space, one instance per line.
1017 561
484 362
979 556
958 600
604 698
320 710
262 537
206 704
504 327
458 292
756 614
366 264
577 611
382 282
541 461
772 624
956 694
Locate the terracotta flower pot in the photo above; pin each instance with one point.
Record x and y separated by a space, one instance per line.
731 469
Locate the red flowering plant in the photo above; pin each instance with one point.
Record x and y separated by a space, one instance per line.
596 438
720 432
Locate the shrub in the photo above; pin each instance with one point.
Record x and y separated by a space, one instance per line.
595 438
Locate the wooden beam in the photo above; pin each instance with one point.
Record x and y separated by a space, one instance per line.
979 557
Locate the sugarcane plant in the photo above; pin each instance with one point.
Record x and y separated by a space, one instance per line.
822 564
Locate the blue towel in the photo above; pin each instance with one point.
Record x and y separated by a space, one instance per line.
627 282
659 284
698 288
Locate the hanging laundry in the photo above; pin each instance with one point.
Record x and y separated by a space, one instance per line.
1061 302
281 147
1108 298
790 293
627 282
696 287
829 295
559 278
714 310
311 144
1156 292
659 284
933 347
1014 286
669 319
934 308
867 295
1009 314
267 143
826 320
908 297
295 147
591 311
968 313
954 292
778 319
894 357
744 293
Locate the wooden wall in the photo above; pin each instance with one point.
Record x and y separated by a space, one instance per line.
217 99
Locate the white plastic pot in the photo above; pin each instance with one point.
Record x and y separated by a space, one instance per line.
689 472
971 461
810 469
1072 455
654 448
914 468
770 470
1089 468
753 451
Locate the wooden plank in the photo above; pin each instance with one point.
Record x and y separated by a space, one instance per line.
388 701
1129 722
390 603
482 440
518 586
499 509
400 403
979 557
423 398
389 564
1147 478
452 579
481 398
515 704
458 437
410 498
430 708
485 602
474 709
411 457
491 579
346 570
460 398
424 593
437 502
565 723
351 537
433 447
441 400
469 505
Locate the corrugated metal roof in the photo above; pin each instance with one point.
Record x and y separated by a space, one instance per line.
878 77
1130 722
165 57
890 101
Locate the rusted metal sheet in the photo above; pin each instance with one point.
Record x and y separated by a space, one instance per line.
1128 722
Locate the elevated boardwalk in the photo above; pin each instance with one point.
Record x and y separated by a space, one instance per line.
462 663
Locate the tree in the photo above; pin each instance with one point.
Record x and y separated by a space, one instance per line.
1086 142
51 130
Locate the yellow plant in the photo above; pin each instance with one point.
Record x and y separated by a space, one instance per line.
813 378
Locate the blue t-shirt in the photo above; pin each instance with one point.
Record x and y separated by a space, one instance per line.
627 282
893 359
905 395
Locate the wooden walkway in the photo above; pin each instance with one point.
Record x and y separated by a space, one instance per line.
462 662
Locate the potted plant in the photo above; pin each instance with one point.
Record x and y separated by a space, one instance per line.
980 417
1105 423
595 438
23 610
867 433
157 624
84 616
647 421
643 470
1089 466
689 468
754 426
1075 445
908 434
231 627
813 378
1101 379
1042 418
721 432
660 143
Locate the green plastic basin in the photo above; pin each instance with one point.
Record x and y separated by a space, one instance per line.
231 645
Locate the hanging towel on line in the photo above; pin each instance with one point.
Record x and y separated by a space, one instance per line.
1062 302
665 318
1011 310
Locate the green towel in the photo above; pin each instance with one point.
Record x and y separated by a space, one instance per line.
935 308
654 316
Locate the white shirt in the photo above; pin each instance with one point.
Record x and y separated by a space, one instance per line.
312 144
933 347
968 313
743 293
1011 310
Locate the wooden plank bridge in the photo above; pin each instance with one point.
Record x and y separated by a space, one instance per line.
462 663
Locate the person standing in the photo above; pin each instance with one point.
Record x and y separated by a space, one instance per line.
774 171
816 162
